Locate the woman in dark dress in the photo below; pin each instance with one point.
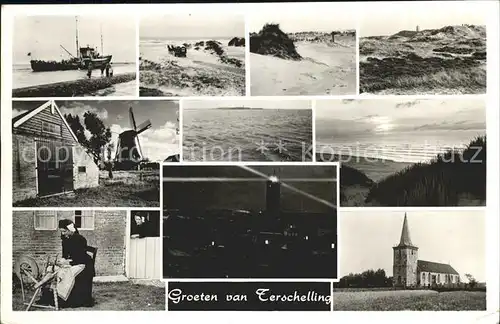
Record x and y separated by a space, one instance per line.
74 248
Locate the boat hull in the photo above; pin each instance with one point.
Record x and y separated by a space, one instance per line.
48 66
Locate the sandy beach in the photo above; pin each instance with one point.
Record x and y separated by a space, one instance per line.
326 68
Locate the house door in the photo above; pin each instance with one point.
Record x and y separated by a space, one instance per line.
434 280
145 261
54 167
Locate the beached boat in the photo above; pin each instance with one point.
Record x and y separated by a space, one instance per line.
85 56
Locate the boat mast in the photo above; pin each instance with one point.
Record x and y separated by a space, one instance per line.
77 47
102 50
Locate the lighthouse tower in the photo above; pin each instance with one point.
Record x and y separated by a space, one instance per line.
405 259
273 195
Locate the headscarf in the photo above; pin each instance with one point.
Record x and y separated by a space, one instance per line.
68 224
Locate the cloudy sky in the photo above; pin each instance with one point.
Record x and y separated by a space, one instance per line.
382 116
456 237
43 35
300 20
427 15
252 103
157 143
187 26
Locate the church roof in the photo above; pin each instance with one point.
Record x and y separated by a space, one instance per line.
427 266
405 234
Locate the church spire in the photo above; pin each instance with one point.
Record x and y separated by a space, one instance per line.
405 234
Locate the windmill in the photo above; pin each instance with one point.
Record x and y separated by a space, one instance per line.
128 150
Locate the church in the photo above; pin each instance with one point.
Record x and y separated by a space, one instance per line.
409 271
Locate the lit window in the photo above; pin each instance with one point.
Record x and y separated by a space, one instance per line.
306 238
267 242
45 220
333 245
84 219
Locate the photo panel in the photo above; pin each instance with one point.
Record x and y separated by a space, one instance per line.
303 52
80 260
191 55
92 153
250 221
428 48
411 260
239 130
46 62
405 152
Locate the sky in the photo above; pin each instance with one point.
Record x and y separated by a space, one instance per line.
456 237
43 35
379 116
297 21
157 143
252 103
189 26
427 15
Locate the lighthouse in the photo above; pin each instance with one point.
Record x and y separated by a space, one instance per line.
273 195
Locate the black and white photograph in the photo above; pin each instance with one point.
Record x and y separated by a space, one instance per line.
145 260
250 221
91 153
303 53
405 152
258 130
81 260
68 56
416 260
426 48
186 55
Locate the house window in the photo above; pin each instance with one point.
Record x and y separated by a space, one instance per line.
51 128
84 219
45 220
82 169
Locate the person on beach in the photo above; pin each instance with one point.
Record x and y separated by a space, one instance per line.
89 70
108 66
110 69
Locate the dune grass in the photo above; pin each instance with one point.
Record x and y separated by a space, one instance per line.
442 182
414 72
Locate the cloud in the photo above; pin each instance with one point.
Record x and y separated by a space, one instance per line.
79 109
17 112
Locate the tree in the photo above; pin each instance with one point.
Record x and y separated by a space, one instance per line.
100 135
472 281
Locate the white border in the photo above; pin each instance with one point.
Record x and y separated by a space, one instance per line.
490 10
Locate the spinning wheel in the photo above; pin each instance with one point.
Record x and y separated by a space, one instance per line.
27 270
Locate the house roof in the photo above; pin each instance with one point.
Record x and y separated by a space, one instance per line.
20 119
405 234
427 266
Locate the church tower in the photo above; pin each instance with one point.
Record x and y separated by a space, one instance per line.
405 259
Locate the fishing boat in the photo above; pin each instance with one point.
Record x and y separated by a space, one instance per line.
85 56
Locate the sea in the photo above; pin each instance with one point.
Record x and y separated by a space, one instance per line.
247 135
419 146
23 76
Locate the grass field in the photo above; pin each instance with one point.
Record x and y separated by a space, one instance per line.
449 60
113 296
127 188
398 300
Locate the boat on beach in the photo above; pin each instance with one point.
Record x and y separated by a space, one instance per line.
85 56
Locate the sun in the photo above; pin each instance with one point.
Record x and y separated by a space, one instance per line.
382 124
